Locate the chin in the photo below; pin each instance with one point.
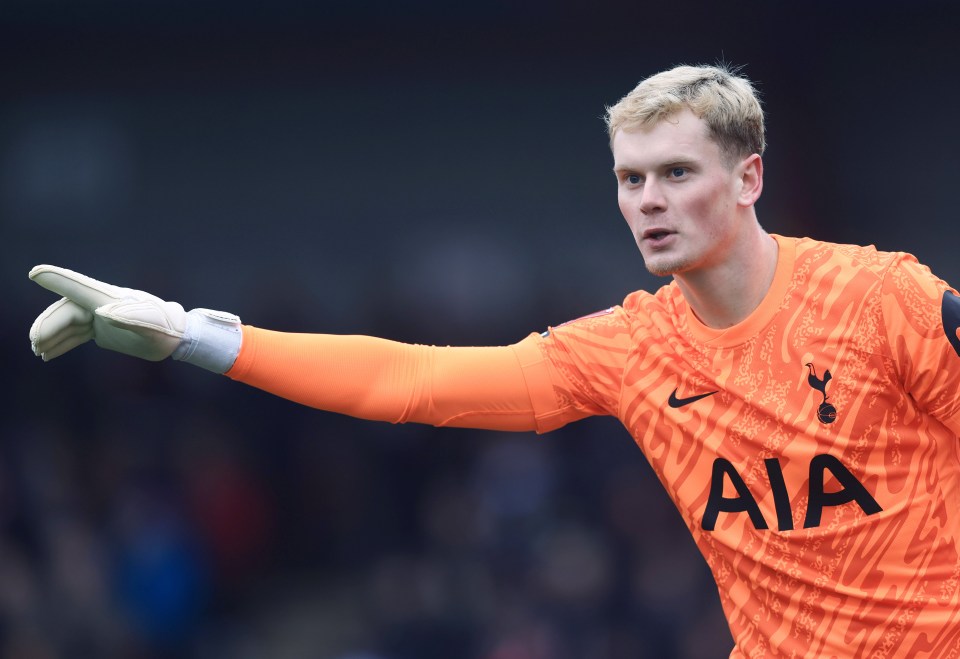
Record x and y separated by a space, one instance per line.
659 272
665 267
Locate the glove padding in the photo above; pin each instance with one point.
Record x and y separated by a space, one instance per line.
129 321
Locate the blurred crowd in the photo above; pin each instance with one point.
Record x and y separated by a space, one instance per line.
437 174
167 512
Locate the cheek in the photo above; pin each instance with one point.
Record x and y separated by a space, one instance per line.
624 205
709 206
629 199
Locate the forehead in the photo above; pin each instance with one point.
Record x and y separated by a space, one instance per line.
682 136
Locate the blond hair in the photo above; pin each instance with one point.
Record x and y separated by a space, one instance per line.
725 100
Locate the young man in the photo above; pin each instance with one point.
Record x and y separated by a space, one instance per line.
797 399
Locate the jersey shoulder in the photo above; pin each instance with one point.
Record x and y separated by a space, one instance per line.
864 259
900 273
637 304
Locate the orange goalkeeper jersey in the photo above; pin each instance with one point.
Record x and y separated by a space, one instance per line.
812 449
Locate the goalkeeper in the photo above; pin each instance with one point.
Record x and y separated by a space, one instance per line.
797 399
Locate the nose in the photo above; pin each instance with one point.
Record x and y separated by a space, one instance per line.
652 199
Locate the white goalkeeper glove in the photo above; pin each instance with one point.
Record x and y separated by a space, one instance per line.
129 321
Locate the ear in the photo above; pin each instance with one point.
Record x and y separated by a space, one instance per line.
750 172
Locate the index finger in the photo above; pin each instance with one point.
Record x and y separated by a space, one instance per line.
85 291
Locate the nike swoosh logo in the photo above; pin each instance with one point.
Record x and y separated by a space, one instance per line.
675 402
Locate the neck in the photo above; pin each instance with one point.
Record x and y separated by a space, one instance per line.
726 293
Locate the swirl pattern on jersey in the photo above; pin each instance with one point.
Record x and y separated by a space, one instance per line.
825 505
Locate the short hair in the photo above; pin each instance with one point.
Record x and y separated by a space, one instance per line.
724 99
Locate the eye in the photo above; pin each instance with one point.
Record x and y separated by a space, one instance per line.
632 179
678 172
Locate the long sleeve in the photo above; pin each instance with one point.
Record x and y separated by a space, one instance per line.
378 379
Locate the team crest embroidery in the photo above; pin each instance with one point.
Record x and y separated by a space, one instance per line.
827 413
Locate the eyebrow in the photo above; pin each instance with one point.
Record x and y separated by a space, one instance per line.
682 161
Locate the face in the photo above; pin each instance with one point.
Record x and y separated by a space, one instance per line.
677 193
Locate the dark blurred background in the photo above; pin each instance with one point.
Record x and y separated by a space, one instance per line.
432 172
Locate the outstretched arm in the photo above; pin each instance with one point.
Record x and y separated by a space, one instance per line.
360 376
374 378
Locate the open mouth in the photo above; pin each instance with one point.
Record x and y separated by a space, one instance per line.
656 234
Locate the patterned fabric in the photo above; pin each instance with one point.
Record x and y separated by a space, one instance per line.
811 449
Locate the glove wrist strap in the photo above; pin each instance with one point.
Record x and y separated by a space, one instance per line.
211 340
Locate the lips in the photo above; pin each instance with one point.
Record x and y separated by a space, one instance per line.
656 233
